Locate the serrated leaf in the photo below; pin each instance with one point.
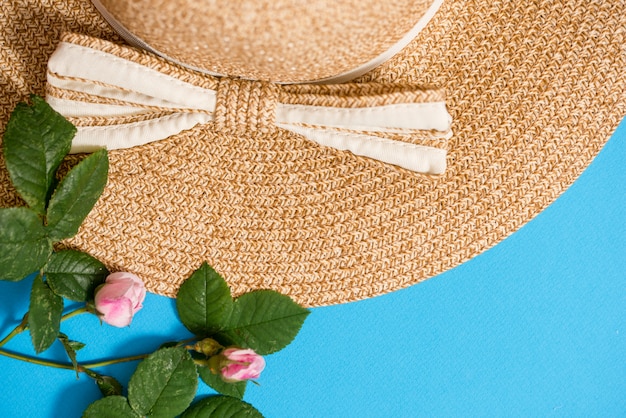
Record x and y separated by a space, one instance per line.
204 302
236 389
44 315
164 384
109 386
70 349
110 407
76 195
265 321
74 274
24 247
222 407
35 141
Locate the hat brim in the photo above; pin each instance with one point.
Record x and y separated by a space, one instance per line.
535 91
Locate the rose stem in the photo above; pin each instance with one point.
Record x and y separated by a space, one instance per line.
23 326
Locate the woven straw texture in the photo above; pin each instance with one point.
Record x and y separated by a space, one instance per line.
535 91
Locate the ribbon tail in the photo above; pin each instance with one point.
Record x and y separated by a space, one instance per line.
411 135
133 134
414 157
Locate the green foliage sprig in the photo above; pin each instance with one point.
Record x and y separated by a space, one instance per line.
164 384
35 142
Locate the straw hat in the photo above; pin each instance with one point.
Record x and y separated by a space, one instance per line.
534 90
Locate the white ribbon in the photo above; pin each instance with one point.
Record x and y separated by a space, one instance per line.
129 88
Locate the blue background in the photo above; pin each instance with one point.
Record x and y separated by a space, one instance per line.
536 326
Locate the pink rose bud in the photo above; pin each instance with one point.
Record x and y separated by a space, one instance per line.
119 298
238 364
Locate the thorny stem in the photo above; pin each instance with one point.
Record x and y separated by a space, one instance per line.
36 360
83 368
103 363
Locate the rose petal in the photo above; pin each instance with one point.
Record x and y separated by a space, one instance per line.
243 364
116 311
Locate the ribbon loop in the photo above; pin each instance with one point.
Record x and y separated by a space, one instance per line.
121 97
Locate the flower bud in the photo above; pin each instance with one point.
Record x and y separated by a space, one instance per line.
119 298
237 364
207 346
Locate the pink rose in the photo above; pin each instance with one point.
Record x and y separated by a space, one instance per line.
238 364
119 298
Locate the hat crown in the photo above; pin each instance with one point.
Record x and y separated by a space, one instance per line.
281 41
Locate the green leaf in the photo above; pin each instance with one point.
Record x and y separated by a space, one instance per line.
204 302
164 384
76 195
71 347
24 247
110 407
35 142
74 274
236 390
109 386
222 407
265 321
44 315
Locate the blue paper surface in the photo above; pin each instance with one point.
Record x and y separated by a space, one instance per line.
536 326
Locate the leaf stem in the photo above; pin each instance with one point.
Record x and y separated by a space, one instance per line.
186 340
36 360
75 312
82 367
93 365
18 329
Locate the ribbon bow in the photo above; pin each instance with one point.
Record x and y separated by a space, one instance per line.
121 97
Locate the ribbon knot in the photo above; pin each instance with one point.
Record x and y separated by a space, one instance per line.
121 97
245 106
